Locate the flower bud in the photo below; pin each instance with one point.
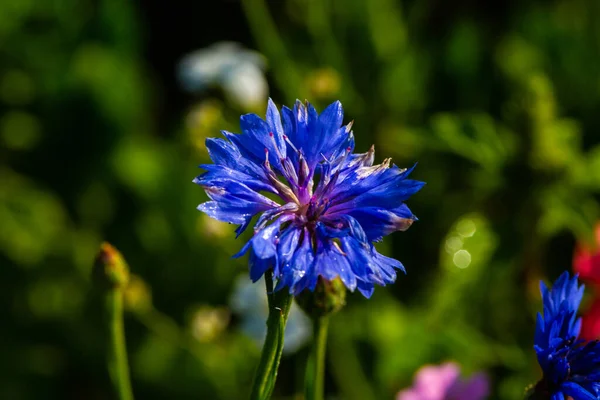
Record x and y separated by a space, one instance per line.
110 269
328 298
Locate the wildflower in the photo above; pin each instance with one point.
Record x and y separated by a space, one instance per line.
586 263
571 366
330 203
236 70
442 382
586 260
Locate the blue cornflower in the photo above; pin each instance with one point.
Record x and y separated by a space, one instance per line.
571 366
330 203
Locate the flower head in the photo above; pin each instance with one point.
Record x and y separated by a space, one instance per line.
586 260
442 382
586 263
321 205
571 366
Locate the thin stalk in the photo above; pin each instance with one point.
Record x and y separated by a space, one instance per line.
266 373
314 384
117 352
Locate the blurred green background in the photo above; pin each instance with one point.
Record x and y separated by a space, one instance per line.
99 140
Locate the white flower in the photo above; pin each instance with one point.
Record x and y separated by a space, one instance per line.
238 71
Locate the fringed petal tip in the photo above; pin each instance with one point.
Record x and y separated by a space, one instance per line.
319 206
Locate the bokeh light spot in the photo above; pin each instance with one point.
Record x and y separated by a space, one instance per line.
466 228
462 259
453 244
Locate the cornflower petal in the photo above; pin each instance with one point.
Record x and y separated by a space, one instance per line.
571 366
332 203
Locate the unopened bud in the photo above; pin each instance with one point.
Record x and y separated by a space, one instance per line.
328 298
110 269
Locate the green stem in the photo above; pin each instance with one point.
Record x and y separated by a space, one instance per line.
279 307
315 367
117 352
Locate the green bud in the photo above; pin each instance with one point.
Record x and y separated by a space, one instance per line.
110 269
328 298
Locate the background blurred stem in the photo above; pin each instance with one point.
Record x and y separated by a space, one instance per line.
165 328
346 366
111 276
319 26
268 39
266 373
315 367
118 366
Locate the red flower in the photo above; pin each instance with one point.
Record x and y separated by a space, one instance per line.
586 260
590 322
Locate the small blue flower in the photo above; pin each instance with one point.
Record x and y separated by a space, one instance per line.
571 366
330 203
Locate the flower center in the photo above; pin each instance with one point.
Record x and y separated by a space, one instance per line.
309 214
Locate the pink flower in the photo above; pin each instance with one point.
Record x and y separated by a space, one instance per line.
443 382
